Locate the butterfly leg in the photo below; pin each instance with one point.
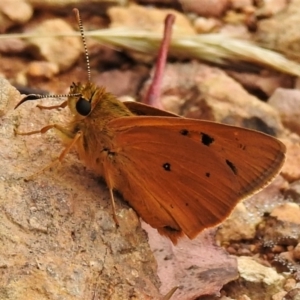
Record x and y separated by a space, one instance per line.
62 105
107 175
112 199
62 155
45 129
67 149
170 293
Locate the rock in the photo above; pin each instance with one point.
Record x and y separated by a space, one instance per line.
136 17
279 296
283 225
255 280
270 34
121 83
238 226
42 69
208 8
290 170
206 25
208 93
66 5
14 12
62 51
293 294
287 212
241 4
271 7
148 18
293 192
243 222
8 96
289 284
12 45
192 263
287 103
264 83
296 252
58 238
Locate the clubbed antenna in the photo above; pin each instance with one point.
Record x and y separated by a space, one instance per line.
36 96
76 11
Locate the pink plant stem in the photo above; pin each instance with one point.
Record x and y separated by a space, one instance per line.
153 94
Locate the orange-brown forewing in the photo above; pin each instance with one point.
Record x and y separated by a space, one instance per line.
184 175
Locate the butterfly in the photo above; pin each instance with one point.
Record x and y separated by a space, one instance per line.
180 175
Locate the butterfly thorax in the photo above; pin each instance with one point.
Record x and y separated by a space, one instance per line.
96 140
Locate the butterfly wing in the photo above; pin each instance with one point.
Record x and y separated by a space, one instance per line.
184 175
141 109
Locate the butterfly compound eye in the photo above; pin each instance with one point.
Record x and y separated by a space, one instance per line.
83 107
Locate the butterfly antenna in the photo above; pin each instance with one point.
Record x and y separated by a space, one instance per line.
37 97
78 18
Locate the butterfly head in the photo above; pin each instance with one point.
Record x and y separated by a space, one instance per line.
82 98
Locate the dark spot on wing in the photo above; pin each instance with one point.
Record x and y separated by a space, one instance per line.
207 174
169 228
184 132
167 166
206 139
231 166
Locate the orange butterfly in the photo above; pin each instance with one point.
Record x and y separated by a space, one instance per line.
180 175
